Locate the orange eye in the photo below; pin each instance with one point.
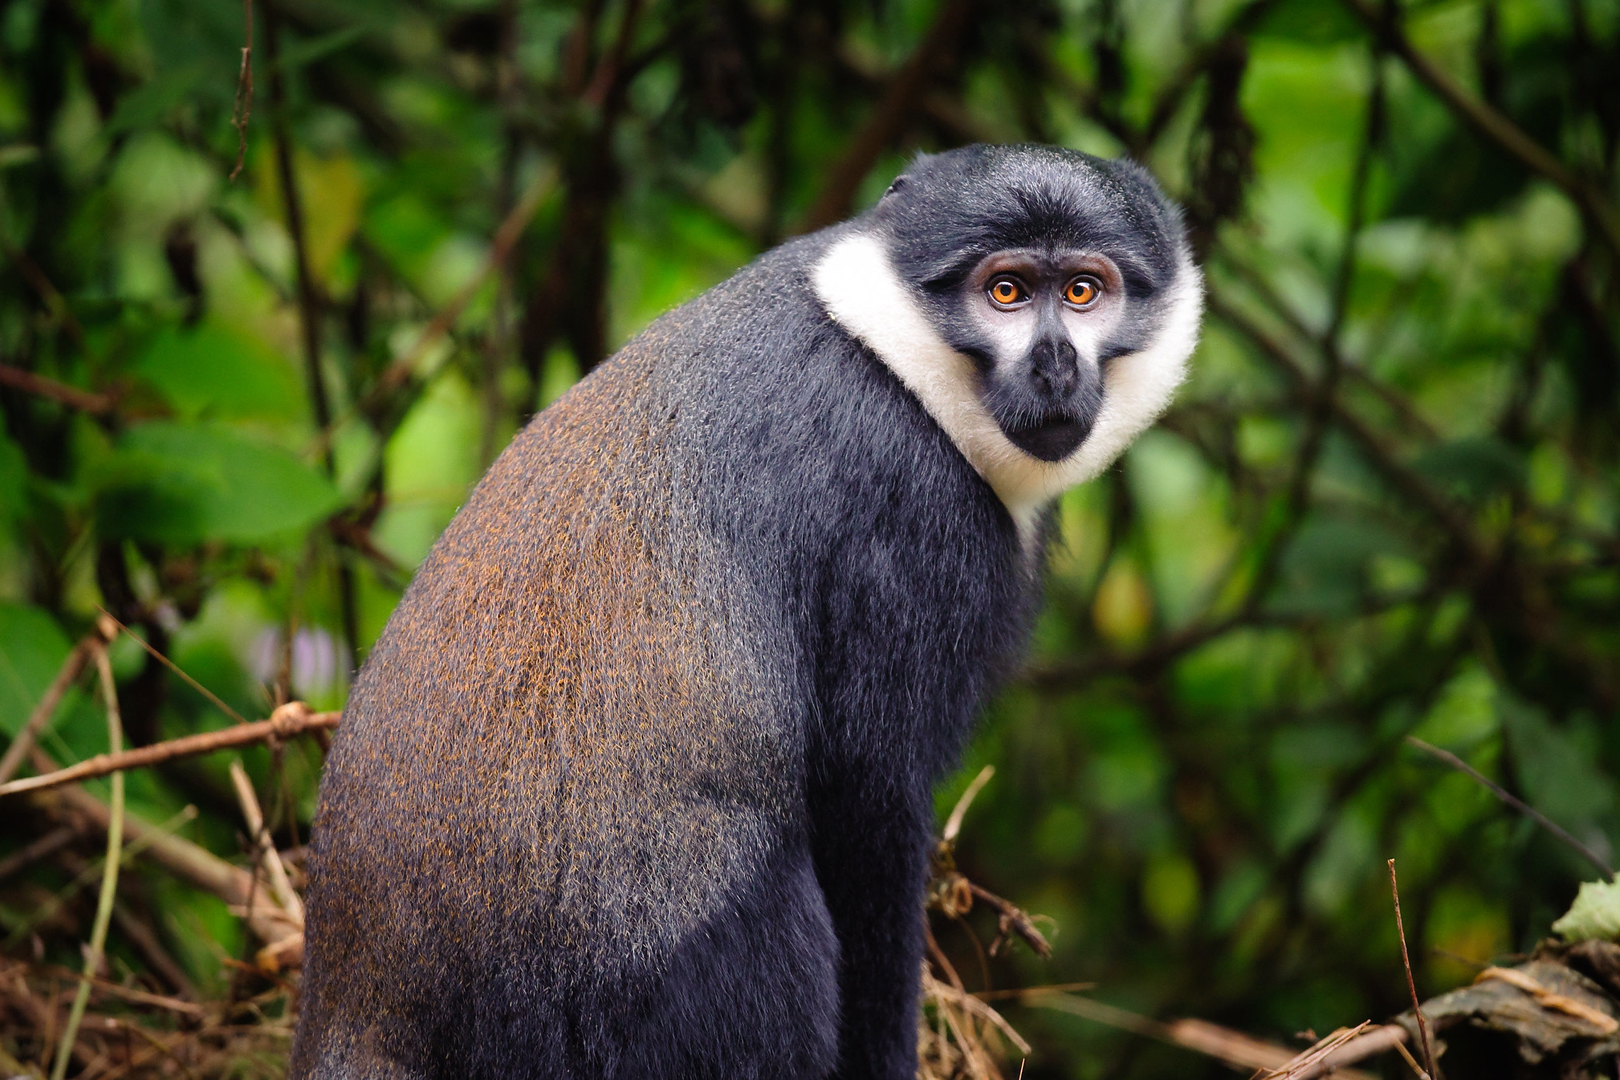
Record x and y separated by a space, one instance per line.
1006 291
1082 291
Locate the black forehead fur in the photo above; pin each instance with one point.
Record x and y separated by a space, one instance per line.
947 211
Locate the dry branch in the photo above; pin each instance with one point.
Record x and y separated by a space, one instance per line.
1522 807
293 718
902 99
46 708
93 403
243 106
1411 984
1492 124
1233 1047
180 857
273 870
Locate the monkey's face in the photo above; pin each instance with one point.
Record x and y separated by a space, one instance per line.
1037 324
1039 302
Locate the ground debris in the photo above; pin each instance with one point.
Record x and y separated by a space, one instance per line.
1540 1019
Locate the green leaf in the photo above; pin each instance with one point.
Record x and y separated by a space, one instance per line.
307 52
32 648
13 479
1474 469
182 484
1595 914
214 371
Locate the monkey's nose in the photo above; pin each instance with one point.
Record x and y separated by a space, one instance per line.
1055 369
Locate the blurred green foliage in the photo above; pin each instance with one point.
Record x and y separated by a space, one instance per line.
1385 504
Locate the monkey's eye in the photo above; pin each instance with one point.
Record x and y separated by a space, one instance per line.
1082 291
1006 292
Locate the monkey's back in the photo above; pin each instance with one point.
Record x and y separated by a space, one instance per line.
568 748
734 581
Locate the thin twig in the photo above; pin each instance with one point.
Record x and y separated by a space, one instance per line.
293 718
71 666
268 857
1321 1051
109 876
181 857
84 400
953 824
172 666
1522 807
500 249
1233 1047
243 106
1411 984
1015 919
1493 124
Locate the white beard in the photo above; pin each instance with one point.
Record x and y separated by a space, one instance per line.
860 290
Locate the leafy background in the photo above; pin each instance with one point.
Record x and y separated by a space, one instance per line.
1384 505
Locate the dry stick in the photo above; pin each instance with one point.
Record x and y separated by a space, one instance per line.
83 874
1406 1055
268 858
1199 1036
243 106
1524 808
109 877
1322 1049
71 666
291 719
1411 984
93 403
172 666
180 857
900 101
953 824
1016 919
500 249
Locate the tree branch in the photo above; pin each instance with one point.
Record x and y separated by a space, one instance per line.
902 99
294 718
1492 124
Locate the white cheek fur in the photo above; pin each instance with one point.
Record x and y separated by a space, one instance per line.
860 290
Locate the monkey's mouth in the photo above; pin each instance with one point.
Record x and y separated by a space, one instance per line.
1049 440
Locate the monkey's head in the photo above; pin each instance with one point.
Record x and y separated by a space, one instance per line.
1040 302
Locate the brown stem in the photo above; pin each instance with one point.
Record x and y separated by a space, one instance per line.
1411 984
1508 799
1492 124
95 404
71 666
309 305
291 719
1015 919
180 857
904 96
243 106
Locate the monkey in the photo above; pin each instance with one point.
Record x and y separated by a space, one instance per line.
637 780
